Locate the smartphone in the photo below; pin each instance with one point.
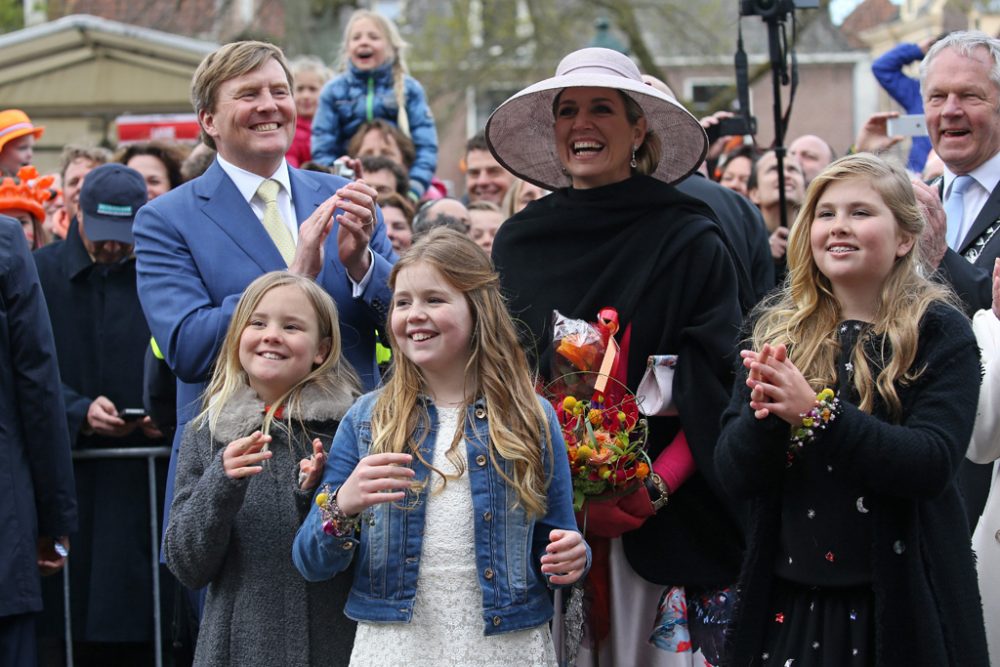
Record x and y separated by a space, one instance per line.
131 414
914 125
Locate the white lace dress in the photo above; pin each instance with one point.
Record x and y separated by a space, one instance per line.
447 623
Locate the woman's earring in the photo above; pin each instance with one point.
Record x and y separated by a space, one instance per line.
633 163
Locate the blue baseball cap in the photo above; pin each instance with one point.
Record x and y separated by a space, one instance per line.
111 196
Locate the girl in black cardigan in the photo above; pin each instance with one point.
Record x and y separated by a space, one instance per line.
844 435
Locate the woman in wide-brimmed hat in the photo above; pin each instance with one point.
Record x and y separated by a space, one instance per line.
614 232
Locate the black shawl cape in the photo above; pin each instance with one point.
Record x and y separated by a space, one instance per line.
658 257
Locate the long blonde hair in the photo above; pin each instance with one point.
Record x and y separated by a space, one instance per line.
397 52
804 315
332 377
497 365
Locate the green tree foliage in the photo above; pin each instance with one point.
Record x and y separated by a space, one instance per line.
11 15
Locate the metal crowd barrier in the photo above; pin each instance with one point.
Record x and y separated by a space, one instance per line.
150 454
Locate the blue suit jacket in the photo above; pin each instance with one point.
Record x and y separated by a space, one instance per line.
199 246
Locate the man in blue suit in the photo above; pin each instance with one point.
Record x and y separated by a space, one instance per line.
200 245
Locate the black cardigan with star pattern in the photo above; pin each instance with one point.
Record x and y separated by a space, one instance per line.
927 605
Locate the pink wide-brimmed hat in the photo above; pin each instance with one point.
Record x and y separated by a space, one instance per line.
520 132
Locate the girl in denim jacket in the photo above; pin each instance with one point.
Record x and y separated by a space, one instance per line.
457 474
375 84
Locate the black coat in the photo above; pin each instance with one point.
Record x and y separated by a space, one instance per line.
927 605
101 338
657 256
37 495
743 225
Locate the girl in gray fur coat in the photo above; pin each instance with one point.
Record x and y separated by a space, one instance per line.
246 472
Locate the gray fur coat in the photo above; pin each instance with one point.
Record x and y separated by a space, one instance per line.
235 536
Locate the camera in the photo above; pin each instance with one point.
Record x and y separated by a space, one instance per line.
341 168
735 126
767 9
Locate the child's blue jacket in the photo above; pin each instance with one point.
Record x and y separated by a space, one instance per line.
509 544
356 97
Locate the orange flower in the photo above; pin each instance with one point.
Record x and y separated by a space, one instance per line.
596 417
642 470
601 456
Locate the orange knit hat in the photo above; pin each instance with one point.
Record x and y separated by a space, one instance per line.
15 123
27 192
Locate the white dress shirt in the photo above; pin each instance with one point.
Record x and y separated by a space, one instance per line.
247 183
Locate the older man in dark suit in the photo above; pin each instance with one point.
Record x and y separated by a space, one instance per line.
962 104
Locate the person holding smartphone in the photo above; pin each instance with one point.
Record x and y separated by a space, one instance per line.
89 282
888 69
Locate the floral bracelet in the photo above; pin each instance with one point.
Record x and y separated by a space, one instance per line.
824 411
335 520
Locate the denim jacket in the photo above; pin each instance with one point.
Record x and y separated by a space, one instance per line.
509 545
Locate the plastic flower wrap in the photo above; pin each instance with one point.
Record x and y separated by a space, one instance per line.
605 436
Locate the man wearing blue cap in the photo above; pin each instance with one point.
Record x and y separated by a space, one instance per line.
89 281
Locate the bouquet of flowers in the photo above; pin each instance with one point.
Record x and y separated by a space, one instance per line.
606 446
605 436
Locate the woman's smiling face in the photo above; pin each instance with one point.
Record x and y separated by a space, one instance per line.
594 138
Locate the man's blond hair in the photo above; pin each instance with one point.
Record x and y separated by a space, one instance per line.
228 62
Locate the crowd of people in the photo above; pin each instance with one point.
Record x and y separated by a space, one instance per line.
353 368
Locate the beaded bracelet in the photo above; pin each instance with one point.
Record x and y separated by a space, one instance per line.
335 520
825 410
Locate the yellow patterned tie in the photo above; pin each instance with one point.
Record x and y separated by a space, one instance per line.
275 226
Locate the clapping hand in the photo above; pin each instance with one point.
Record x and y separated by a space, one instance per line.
311 468
378 478
244 457
357 224
777 386
933 243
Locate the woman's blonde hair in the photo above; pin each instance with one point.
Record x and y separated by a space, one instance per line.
397 52
497 371
804 315
333 376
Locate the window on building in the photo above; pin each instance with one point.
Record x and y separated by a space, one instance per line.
701 93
